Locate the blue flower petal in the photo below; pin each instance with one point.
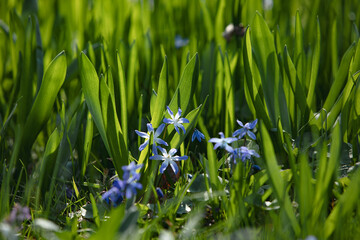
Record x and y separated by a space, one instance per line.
142 146
251 135
183 128
163 166
253 124
159 130
142 134
169 111
174 167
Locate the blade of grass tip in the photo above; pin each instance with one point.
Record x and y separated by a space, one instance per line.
75 188
276 179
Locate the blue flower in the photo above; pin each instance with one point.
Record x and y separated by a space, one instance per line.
159 193
115 194
156 138
127 187
223 142
176 120
130 187
256 168
244 153
245 129
168 158
180 42
197 135
130 170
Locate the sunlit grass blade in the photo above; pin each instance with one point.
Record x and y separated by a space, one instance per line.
229 96
326 175
159 107
187 84
276 179
314 69
295 82
299 54
253 81
87 143
91 90
344 209
340 78
123 98
118 148
53 79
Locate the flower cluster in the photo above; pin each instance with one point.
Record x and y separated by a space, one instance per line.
242 152
124 188
168 158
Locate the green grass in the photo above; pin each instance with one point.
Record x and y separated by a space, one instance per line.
77 78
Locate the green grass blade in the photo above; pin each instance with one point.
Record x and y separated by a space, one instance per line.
299 54
253 82
276 179
123 97
118 149
267 63
90 86
340 78
161 98
53 79
314 69
186 87
296 85
345 207
87 143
